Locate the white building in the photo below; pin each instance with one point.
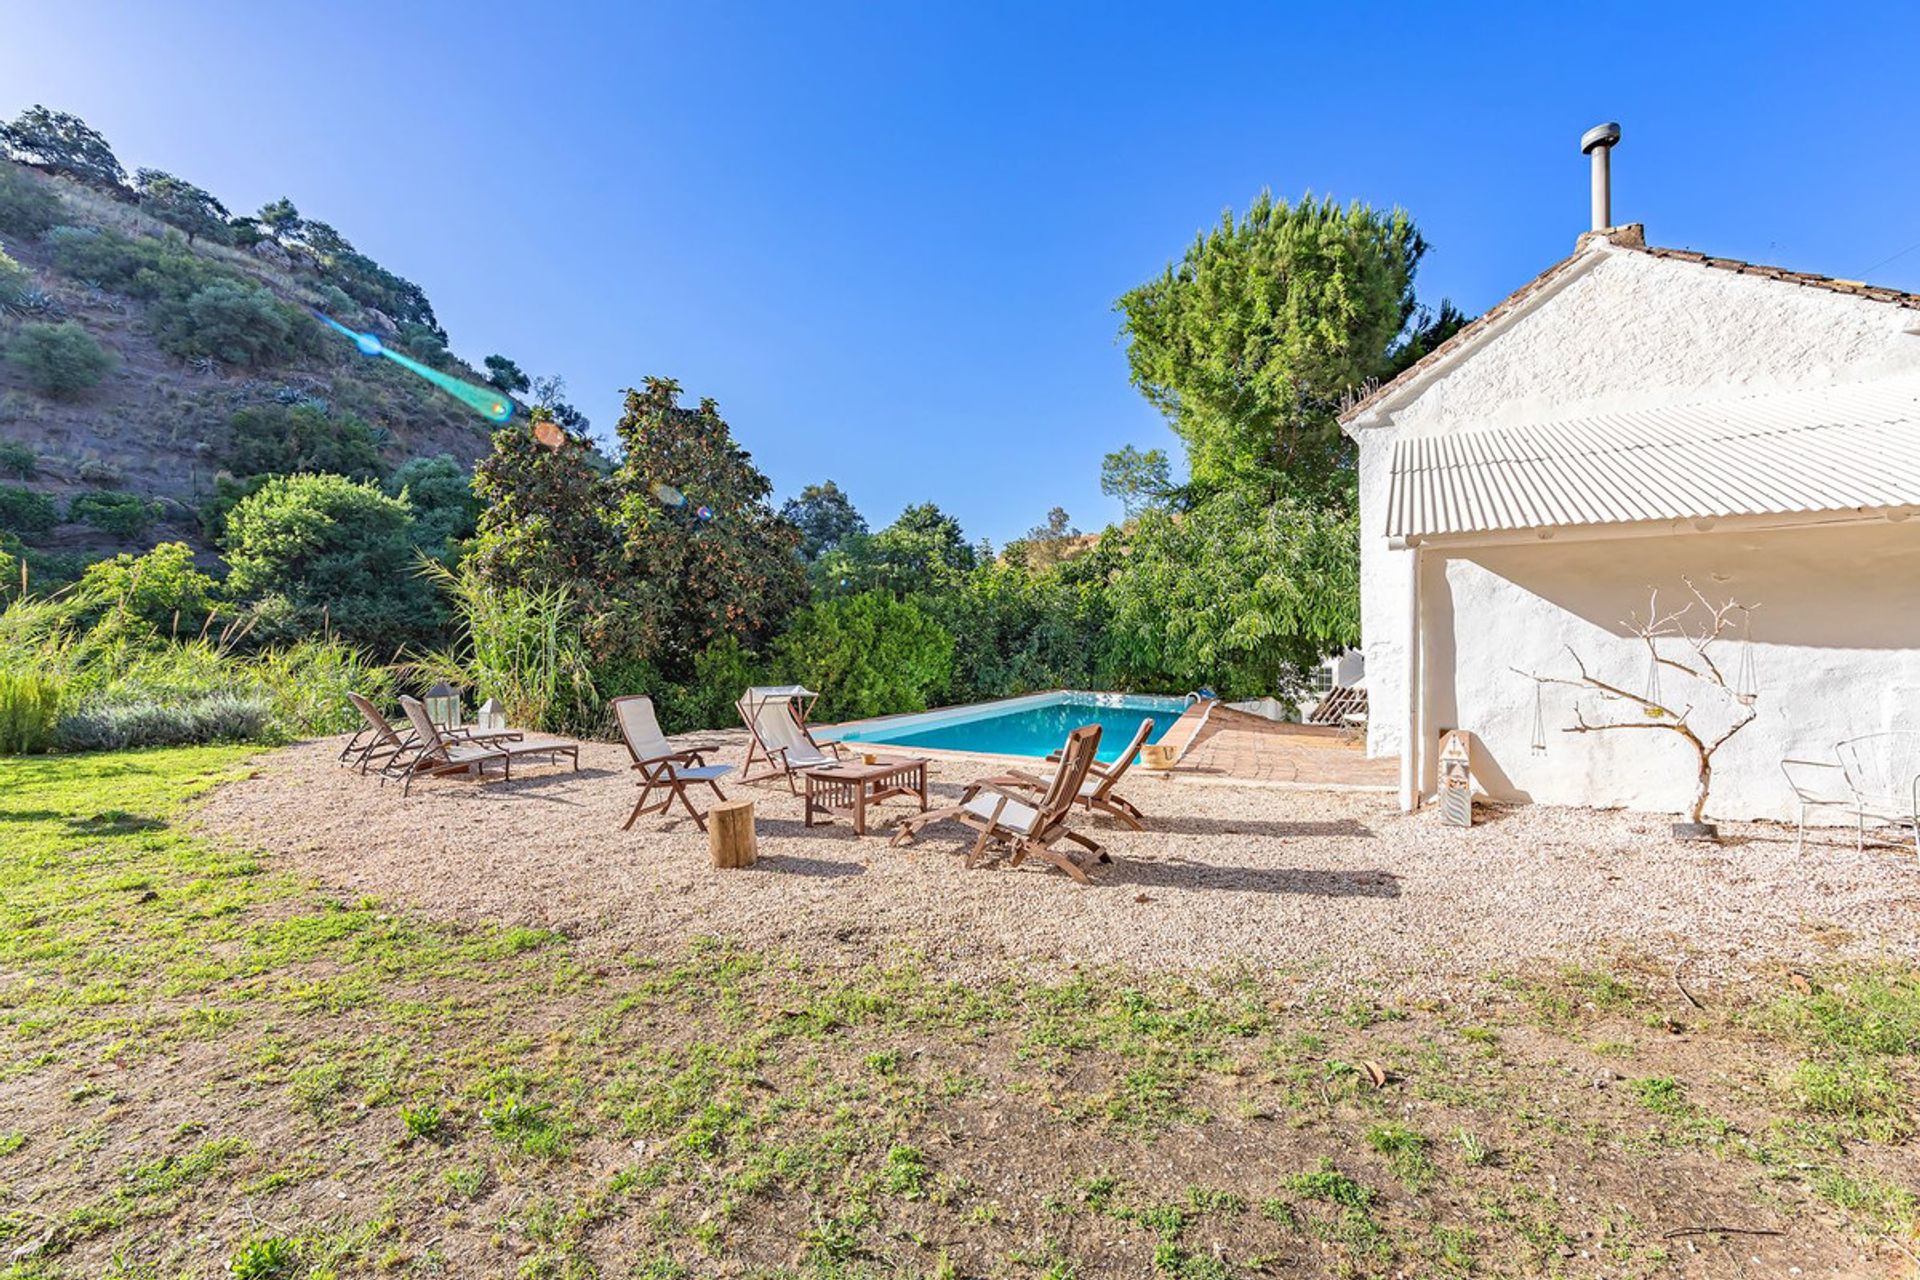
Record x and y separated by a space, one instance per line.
1632 418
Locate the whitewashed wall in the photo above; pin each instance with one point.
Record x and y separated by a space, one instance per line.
1836 646
1630 331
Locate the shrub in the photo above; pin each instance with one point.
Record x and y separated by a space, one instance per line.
28 703
26 207
440 491
867 655
239 323
59 359
720 672
15 281
277 439
125 514
340 552
24 511
157 594
221 716
18 461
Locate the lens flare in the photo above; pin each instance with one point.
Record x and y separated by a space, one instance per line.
703 514
485 401
668 495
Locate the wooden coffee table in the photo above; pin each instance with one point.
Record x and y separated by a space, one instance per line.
849 788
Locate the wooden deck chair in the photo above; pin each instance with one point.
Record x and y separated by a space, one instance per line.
440 753
1097 793
779 735
661 765
1007 815
379 742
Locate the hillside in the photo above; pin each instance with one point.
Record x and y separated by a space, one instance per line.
169 420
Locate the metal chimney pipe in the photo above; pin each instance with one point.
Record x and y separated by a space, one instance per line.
1598 142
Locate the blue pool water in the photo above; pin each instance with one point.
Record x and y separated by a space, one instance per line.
1031 726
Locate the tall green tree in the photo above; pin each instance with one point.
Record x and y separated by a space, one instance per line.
825 517
63 143
506 375
719 561
1249 342
179 203
867 655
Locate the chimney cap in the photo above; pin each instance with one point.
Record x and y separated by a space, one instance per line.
1601 135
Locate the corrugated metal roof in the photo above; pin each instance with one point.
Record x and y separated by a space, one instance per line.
1829 448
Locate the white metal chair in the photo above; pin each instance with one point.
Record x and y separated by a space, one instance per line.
1883 774
1816 784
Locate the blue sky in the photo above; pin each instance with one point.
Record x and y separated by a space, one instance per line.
887 239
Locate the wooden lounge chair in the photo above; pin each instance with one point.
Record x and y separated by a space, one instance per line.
1097 792
661 765
380 743
778 725
441 753
1006 813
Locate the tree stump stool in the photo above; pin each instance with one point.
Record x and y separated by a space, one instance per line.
730 833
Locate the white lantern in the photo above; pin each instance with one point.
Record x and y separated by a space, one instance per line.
491 715
443 706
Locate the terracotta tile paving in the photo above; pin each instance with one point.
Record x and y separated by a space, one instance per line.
1235 744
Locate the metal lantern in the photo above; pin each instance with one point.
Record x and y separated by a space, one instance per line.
443 705
491 715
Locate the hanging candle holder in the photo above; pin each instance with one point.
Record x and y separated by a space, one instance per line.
1746 678
1539 719
1652 696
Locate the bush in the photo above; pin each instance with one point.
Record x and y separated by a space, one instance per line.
24 511
124 514
18 461
239 323
440 491
720 672
867 655
15 280
276 439
26 207
220 716
340 552
28 703
59 359
157 594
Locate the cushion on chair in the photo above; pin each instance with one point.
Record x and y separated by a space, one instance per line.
1014 815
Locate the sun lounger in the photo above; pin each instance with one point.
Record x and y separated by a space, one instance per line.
440 753
1008 815
777 721
662 766
378 742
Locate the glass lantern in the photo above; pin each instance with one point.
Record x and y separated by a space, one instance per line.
443 705
491 715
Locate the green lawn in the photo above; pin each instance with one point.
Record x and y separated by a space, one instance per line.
213 1067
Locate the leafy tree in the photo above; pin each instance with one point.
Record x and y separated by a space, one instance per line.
1046 544
340 554
1425 331
548 393
825 518
1239 593
440 492
281 219
59 360
159 594
26 207
63 143
179 203
1019 631
1138 479
506 375
277 439
924 551
427 345
241 324
1248 344
719 563
116 512
867 655
24 511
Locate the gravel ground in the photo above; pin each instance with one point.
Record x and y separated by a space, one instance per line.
1338 888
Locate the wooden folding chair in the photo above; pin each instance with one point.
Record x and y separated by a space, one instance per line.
662 766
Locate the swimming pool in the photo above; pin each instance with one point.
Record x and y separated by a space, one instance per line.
1029 726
